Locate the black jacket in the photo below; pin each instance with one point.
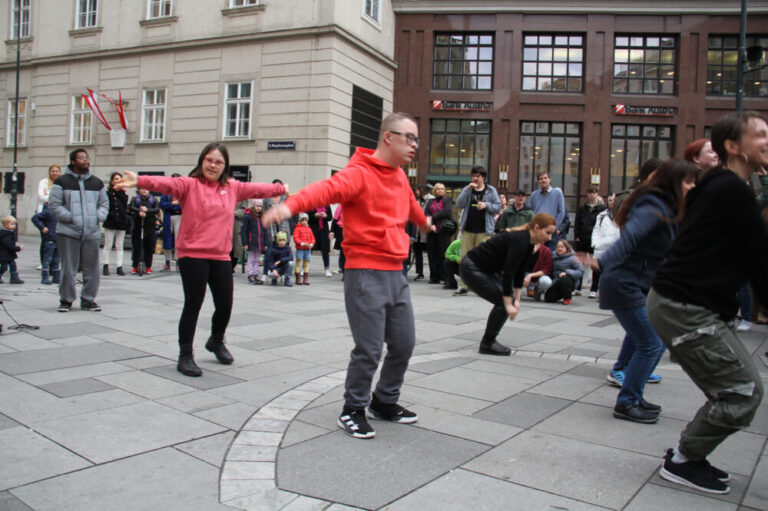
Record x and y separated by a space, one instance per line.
46 219
8 246
117 217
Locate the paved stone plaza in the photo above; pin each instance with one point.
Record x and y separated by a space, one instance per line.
94 415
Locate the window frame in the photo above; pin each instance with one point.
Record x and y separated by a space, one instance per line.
81 121
460 136
645 65
21 139
368 12
628 179
152 110
243 3
92 12
26 26
160 7
753 80
552 62
448 62
239 102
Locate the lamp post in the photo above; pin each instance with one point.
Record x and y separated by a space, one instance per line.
14 176
740 69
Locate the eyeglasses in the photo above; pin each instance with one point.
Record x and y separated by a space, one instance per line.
409 137
214 163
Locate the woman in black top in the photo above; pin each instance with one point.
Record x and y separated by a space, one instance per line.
438 209
115 224
506 253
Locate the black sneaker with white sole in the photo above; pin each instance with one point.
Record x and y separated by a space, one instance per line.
354 423
694 474
88 305
391 412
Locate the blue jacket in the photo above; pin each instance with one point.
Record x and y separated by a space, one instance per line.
630 265
492 206
567 263
169 209
275 253
46 219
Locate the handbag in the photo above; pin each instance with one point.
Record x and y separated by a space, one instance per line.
448 225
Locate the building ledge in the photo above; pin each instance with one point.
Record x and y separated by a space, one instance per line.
81 32
23 40
157 22
243 11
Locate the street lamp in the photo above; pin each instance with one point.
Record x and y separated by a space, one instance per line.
14 176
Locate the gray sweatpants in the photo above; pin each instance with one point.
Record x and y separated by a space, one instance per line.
379 311
710 352
76 254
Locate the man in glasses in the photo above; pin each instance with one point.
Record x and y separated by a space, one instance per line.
374 192
79 201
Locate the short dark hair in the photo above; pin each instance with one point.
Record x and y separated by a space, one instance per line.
213 146
591 189
539 174
519 191
74 152
648 167
276 181
477 169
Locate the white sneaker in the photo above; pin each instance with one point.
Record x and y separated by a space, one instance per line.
744 326
593 294
328 273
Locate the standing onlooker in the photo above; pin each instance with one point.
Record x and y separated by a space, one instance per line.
171 221
480 203
144 208
9 249
305 240
377 199
255 237
43 190
338 236
550 200
516 214
693 302
208 198
700 153
420 241
605 234
115 224
319 222
46 222
438 209
586 216
79 201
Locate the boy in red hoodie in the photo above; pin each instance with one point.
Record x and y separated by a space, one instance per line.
305 240
377 201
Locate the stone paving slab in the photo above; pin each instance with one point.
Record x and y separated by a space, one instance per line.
59 358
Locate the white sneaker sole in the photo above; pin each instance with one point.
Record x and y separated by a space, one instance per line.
353 433
669 476
400 420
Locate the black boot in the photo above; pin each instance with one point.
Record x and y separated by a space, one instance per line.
56 276
44 278
186 365
120 270
105 271
491 347
15 279
216 346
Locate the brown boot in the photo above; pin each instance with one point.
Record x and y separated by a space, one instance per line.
298 279
306 279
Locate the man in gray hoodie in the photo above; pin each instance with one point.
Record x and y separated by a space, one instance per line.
79 201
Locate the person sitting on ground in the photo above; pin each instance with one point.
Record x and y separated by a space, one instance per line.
305 240
256 237
516 214
566 272
279 260
539 278
451 264
9 249
46 222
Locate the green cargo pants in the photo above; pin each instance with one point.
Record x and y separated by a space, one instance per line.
710 352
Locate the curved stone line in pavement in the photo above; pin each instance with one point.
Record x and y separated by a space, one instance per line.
247 479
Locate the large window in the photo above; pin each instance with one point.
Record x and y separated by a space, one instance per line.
11 125
153 116
553 147
553 62
458 144
372 9
644 64
159 8
80 129
85 15
25 18
722 66
237 109
631 145
463 62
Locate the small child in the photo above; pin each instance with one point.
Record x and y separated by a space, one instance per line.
46 222
256 238
305 240
8 249
279 260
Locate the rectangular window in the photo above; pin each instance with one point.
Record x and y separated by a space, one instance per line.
367 112
372 9
11 125
153 116
553 147
159 8
242 3
553 62
644 64
463 62
458 144
85 16
25 18
80 130
633 144
237 109
722 67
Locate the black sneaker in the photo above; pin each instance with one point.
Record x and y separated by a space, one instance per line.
64 306
354 423
391 412
693 474
89 306
461 292
635 413
650 407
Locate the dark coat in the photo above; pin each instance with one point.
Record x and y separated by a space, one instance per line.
46 219
169 209
8 246
153 207
276 253
586 216
446 212
253 234
117 216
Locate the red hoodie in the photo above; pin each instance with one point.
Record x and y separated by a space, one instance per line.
377 202
208 211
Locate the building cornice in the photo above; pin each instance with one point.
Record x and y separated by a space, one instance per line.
143 49
660 7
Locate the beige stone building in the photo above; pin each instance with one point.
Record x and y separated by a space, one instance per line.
315 75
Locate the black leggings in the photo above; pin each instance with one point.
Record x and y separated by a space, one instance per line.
195 275
488 287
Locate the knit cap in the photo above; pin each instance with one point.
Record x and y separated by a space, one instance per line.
281 236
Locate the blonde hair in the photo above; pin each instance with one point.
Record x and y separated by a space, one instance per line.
6 219
565 244
50 181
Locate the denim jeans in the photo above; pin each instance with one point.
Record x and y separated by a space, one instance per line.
50 256
648 349
745 302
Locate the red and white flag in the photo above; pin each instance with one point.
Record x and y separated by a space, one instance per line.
92 98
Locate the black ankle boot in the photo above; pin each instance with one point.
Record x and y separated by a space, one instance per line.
120 270
105 271
216 346
186 365
493 348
